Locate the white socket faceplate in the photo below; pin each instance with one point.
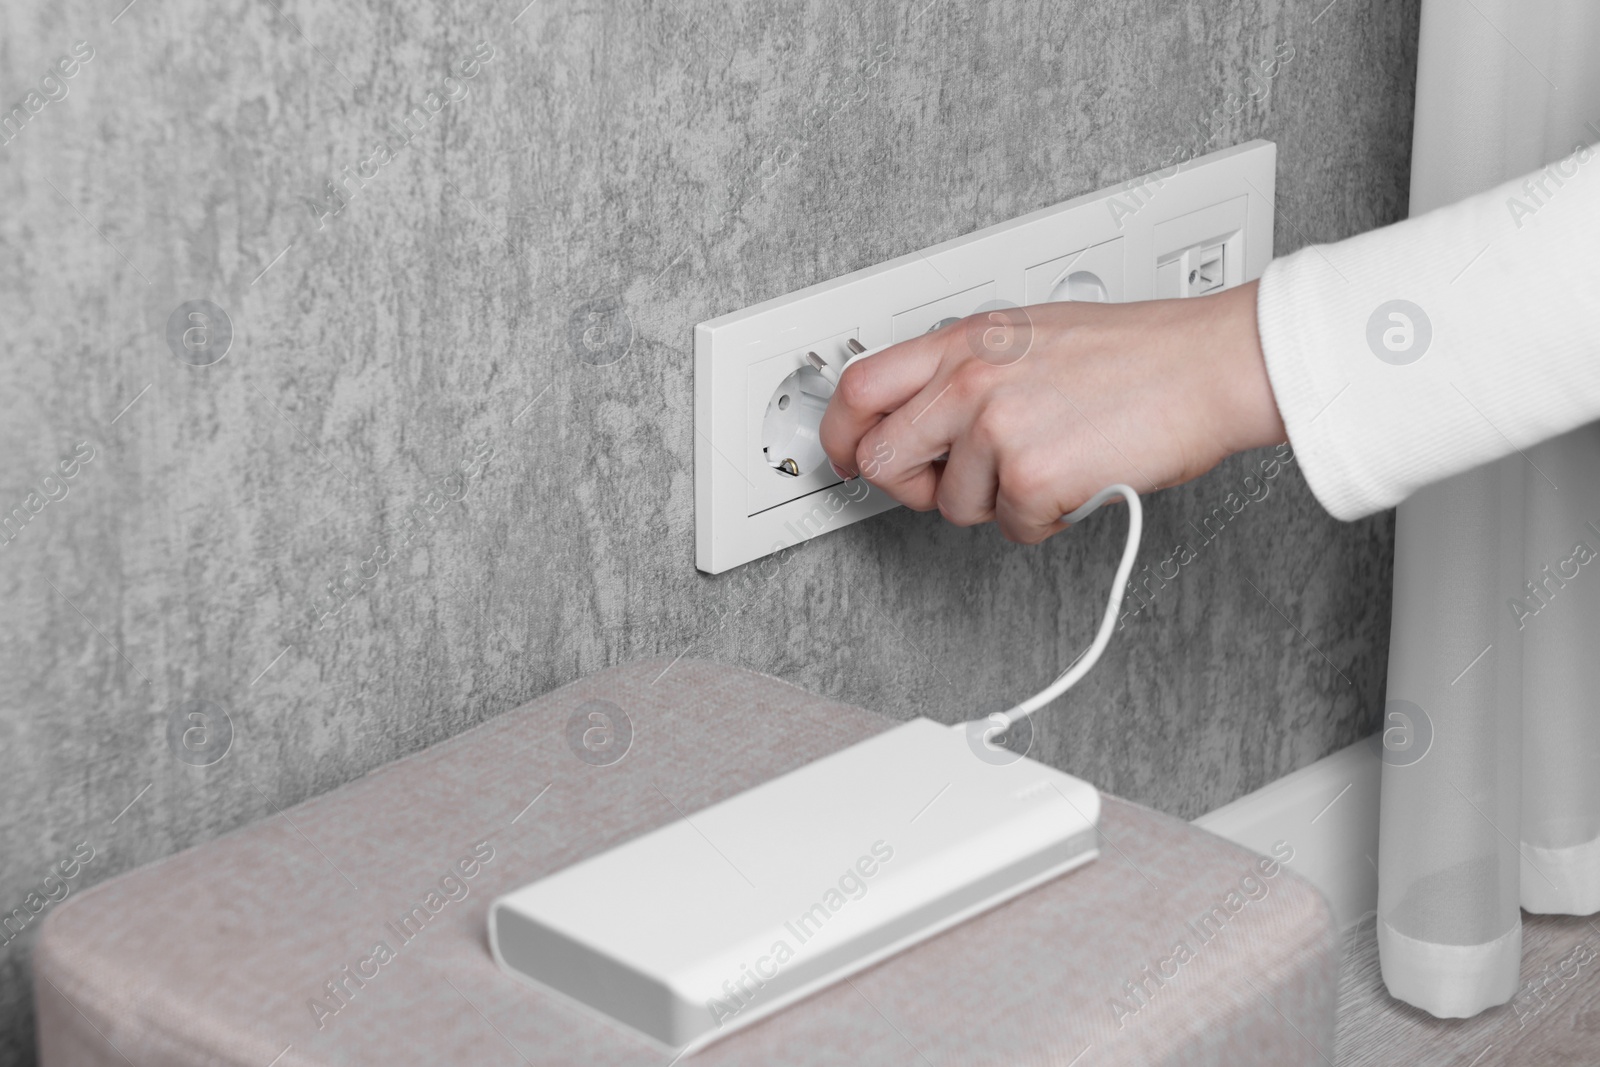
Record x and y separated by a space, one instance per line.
1172 233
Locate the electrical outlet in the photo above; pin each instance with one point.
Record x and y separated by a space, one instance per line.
1204 227
1094 274
781 392
908 324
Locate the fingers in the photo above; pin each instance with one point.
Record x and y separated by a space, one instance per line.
914 485
917 435
1026 506
871 388
933 423
1023 524
970 480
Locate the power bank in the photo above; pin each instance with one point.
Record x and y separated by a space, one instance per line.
691 931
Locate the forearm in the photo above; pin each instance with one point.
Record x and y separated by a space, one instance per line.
1504 353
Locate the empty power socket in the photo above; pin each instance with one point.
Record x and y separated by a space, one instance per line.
1093 274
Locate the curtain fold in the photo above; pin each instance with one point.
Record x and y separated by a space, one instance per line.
1449 925
1495 640
1560 863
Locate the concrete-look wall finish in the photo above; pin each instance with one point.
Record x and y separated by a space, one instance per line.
444 462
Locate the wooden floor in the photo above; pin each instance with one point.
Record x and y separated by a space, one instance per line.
1557 1028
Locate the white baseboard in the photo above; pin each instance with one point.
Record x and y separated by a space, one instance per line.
1328 813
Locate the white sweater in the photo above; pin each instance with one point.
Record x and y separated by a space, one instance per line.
1497 349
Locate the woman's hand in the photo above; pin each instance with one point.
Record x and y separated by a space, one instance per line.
1040 407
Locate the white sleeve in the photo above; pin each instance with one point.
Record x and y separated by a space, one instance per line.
1414 352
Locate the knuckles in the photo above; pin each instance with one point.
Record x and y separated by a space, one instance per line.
991 427
1025 480
971 380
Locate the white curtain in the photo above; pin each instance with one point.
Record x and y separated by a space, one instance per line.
1491 778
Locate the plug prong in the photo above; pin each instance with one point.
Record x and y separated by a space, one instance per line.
822 368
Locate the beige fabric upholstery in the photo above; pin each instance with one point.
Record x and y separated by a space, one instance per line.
218 955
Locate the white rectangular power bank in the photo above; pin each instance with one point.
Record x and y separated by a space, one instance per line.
707 924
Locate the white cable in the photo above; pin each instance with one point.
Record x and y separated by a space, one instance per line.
1002 721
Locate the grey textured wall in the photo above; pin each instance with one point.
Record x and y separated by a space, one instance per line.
403 378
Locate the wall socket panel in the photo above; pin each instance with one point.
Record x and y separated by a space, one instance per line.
1199 229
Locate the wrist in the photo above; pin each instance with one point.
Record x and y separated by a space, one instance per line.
1242 401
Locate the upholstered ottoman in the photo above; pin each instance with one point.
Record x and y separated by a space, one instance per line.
350 929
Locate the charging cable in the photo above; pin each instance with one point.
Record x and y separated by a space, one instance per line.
1001 721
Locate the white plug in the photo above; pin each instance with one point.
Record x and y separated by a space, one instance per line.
857 353
790 428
